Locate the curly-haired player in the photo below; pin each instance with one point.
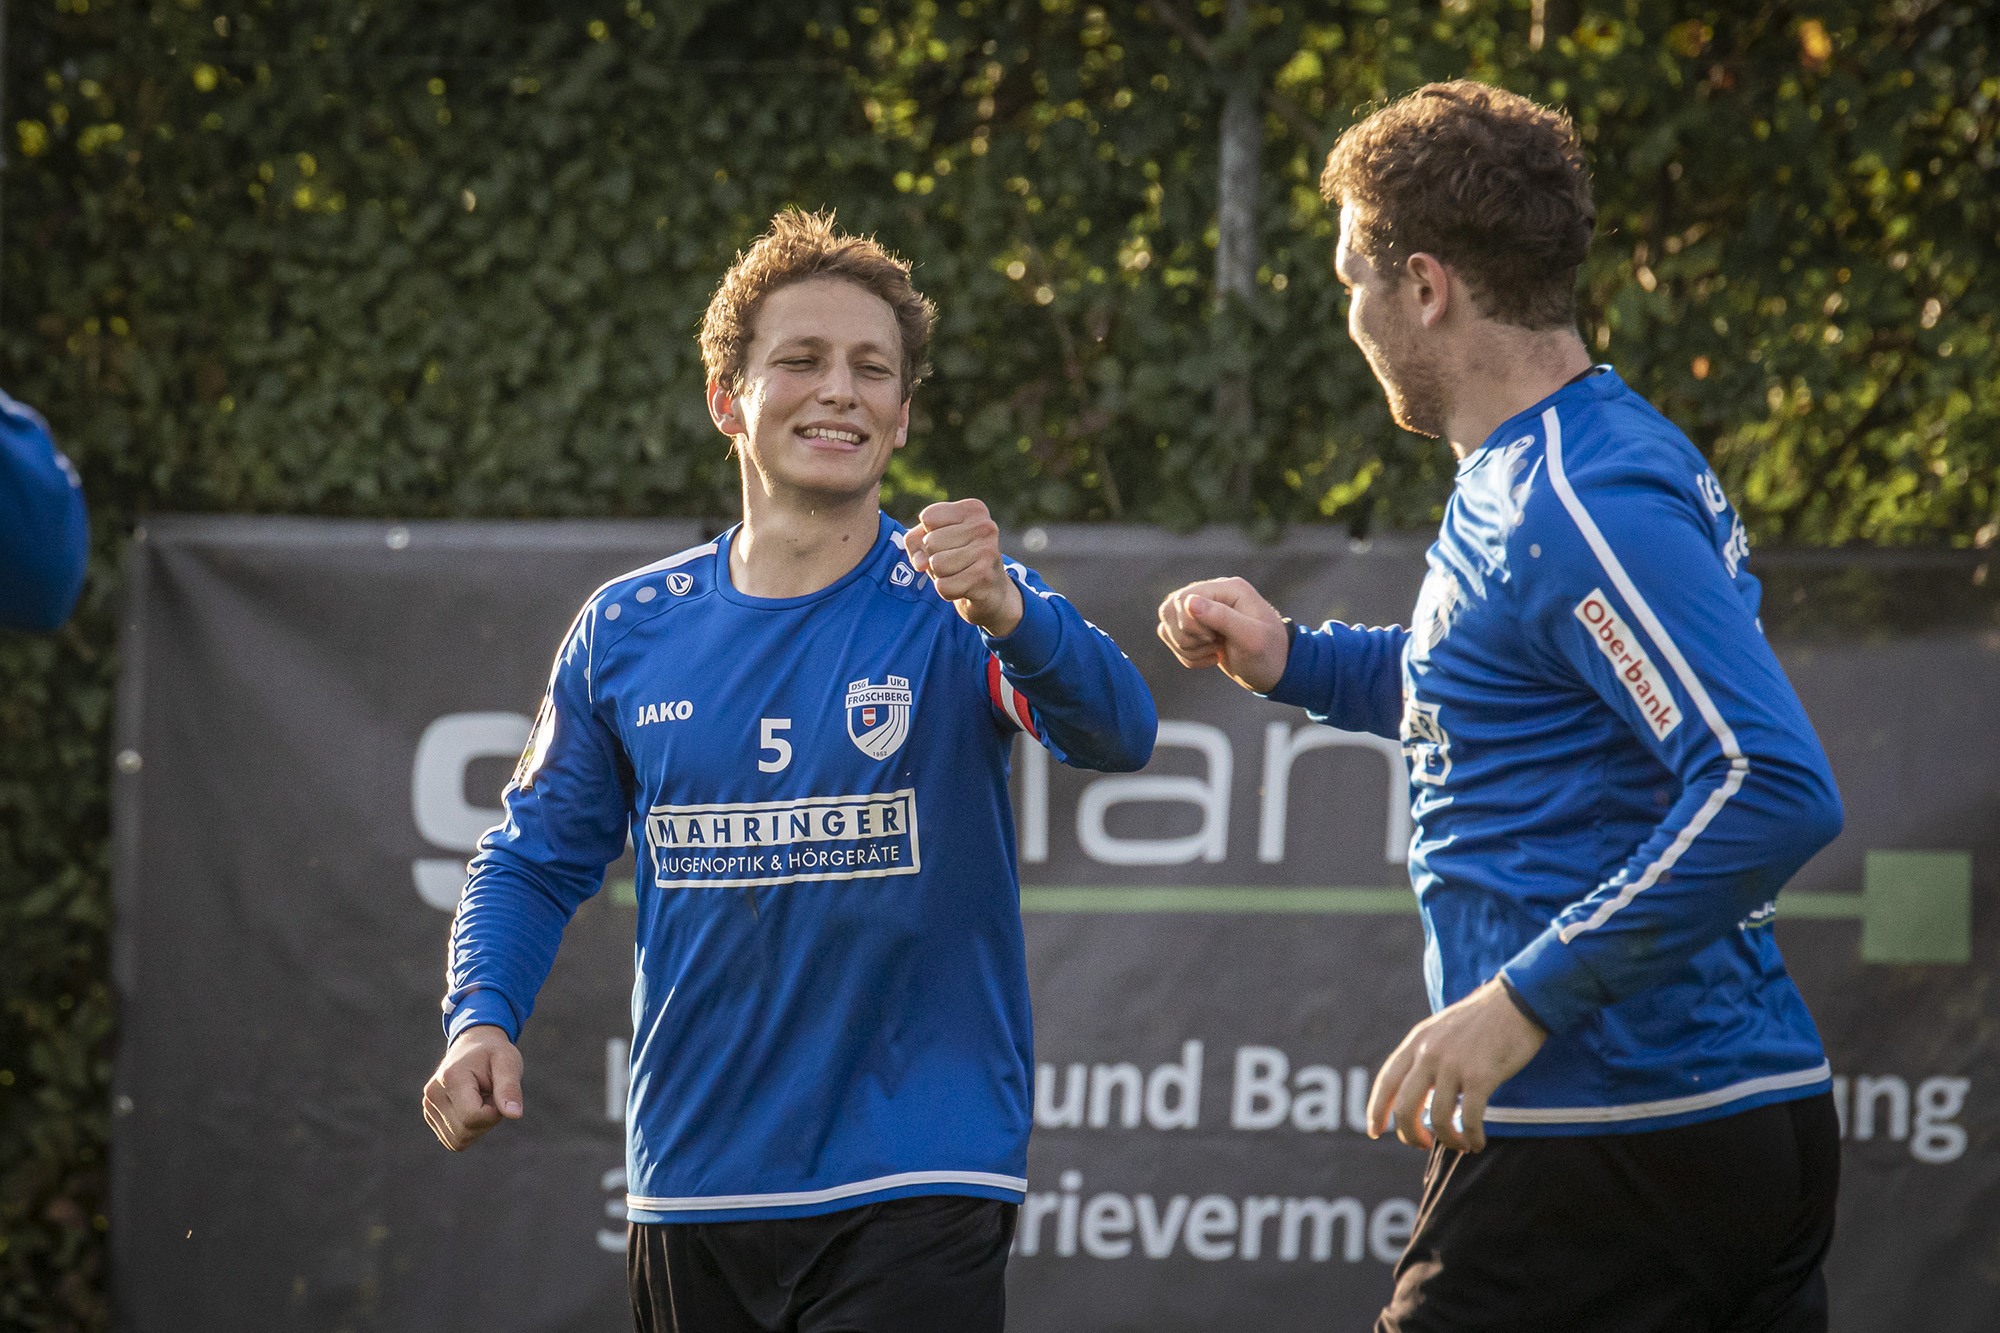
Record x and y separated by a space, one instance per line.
1626 1102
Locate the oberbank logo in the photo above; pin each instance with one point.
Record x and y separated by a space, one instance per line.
878 716
750 843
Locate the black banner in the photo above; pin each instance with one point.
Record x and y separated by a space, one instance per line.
317 718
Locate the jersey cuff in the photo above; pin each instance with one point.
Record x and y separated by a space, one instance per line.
1034 642
477 1007
1520 1003
1554 983
1308 679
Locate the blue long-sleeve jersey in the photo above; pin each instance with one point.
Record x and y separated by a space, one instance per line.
830 1004
1610 775
44 532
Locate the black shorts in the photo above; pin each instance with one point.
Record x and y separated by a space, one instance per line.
936 1262
1718 1227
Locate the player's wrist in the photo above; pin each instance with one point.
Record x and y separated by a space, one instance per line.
1005 617
1520 1003
1272 661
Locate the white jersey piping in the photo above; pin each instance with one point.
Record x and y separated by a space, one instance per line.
1739 766
702 1203
590 649
1700 1101
674 561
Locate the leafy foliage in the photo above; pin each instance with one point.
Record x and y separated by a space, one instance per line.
426 259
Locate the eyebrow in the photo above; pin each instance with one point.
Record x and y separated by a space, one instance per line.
813 342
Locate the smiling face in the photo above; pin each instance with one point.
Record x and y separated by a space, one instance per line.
1384 325
822 406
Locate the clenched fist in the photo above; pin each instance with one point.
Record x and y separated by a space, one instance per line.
957 543
476 1086
1226 623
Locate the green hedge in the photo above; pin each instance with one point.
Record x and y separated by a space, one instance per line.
446 259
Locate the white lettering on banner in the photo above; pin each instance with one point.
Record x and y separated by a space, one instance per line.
1169 1098
1635 670
1266 1093
1211 1227
751 843
1262 1097
613 1183
617 1078
443 816
1031 760
1283 746
1210 795
1269 1091
1874 1106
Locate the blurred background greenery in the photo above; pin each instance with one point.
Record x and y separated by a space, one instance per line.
422 259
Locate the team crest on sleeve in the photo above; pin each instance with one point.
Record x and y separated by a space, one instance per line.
878 716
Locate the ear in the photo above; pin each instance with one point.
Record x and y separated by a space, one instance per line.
903 426
725 411
1430 287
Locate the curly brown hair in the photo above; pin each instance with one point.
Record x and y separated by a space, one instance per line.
800 246
1492 184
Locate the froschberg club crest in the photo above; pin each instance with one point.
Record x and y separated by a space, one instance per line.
878 716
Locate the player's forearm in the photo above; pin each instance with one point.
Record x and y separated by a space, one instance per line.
1346 676
1724 851
1091 700
504 940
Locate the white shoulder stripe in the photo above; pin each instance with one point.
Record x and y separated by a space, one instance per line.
590 649
674 561
1739 766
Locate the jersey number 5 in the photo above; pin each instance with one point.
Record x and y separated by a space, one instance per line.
771 742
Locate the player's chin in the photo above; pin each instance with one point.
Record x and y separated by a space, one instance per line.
838 485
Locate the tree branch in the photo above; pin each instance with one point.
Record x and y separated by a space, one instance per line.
1294 115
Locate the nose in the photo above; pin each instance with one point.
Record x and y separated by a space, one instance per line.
837 389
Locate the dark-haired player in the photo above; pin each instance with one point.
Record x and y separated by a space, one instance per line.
1626 1102
805 726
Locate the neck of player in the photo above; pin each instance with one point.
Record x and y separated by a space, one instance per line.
1502 372
793 543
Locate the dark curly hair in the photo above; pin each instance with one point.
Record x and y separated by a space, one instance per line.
800 246
1492 184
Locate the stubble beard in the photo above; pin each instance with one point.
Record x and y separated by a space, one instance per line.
1418 398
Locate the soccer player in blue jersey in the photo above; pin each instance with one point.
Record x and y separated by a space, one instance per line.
805 726
44 531
1625 1100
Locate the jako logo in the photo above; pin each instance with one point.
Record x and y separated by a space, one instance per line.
878 716
679 710
679 583
902 575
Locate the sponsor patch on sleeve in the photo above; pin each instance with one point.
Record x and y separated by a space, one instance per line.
1642 680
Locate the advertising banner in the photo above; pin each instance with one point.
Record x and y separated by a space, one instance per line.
317 718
